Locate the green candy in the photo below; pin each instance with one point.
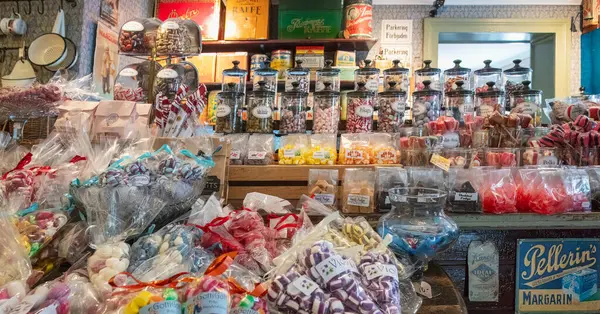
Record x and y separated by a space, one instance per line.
247 302
170 295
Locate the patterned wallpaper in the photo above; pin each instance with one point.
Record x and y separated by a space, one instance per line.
38 24
418 12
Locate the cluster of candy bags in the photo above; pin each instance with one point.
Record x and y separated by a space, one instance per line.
178 116
14 258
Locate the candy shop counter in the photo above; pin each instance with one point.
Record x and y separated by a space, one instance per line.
446 298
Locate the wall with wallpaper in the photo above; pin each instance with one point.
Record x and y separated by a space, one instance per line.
418 12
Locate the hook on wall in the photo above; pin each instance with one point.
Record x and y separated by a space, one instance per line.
13 9
29 6
41 6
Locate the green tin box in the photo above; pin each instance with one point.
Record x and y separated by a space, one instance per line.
314 19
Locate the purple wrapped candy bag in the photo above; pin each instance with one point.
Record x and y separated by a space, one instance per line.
340 276
379 275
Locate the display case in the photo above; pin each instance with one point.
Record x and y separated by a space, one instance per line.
367 75
455 74
297 74
458 102
427 73
328 74
293 110
138 37
260 105
175 37
134 82
487 74
397 74
426 105
235 75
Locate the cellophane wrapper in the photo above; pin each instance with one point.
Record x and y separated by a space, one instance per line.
14 258
498 191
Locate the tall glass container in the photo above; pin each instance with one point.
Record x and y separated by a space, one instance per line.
513 80
235 75
526 100
297 74
455 74
229 111
489 101
265 74
427 73
360 108
369 76
328 74
293 110
487 74
260 110
326 112
458 102
397 74
390 112
426 105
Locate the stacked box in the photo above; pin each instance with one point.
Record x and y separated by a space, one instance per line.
310 19
582 284
247 19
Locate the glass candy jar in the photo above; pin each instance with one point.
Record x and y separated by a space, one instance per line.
360 107
367 75
513 80
417 223
229 111
131 38
455 74
235 75
293 110
526 100
133 82
326 111
265 74
260 110
487 74
390 112
397 74
297 74
427 73
490 100
173 38
458 102
328 74
426 105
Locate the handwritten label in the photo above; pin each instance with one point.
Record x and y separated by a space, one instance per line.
133 26
440 162
485 111
419 109
170 25
381 270
241 310
325 199
424 289
304 285
450 140
163 307
331 267
529 108
256 155
235 154
262 112
128 72
548 161
319 154
398 106
465 197
289 153
223 111
364 111
167 74
359 200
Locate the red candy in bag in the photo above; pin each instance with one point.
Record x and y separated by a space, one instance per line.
498 192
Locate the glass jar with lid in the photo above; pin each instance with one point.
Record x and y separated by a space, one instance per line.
513 79
390 110
487 74
455 74
260 110
265 74
293 110
235 75
426 105
490 100
367 75
229 111
326 112
190 74
458 102
168 82
427 73
194 36
131 38
173 38
133 82
297 74
526 100
328 74
396 74
360 108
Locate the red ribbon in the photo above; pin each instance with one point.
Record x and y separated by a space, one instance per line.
21 165
77 158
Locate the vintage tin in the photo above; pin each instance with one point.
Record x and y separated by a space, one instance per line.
281 60
256 62
358 15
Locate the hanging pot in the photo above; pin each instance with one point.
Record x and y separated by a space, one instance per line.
22 74
50 49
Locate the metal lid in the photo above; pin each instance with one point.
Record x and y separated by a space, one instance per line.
457 69
361 91
427 70
427 91
487 69
262 91
231 92
392 92
328 70
459 91
295 92
367 70
491 91
526 91
396 69
236 70
266 69
518 69
298 69
327 91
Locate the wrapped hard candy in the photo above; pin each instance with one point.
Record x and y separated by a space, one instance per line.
379 276
113 177
167 166
360 114
243 303
207 290
107 261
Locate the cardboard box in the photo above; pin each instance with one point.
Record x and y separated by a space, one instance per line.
206 64
246 19
207 13
313 57
217 177
314 19
224 62
345 58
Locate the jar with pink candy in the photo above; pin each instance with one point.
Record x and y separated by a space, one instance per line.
326 112
361 105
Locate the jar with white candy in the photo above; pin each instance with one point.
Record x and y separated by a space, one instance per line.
368 76
326 112
426 105
293 110
458 102
106 262
396 74
526 101
390 112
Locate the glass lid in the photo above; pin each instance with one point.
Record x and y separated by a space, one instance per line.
518 69
491 91
457 69
487 69
427 91
367 70
459 91
396 69
236 70
427 70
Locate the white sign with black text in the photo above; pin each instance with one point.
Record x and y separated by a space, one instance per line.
396 32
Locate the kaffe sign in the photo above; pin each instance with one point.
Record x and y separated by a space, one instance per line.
204 12
558 276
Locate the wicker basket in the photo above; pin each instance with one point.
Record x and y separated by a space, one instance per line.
34 130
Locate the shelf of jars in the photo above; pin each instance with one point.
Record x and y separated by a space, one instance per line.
275 44
344 85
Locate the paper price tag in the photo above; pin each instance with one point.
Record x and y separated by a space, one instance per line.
304 285
359 200
424 289
465 197
440 162
255 155
289 153
325 199
235 154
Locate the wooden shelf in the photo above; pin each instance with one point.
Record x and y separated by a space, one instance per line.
257 46
344 85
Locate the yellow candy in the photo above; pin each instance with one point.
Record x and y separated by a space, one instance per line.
141 299
131 309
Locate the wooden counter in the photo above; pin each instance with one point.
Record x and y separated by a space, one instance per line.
449 301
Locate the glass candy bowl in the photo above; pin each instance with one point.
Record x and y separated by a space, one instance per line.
418 225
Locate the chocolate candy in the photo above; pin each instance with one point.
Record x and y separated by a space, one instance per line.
132 41
172 38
